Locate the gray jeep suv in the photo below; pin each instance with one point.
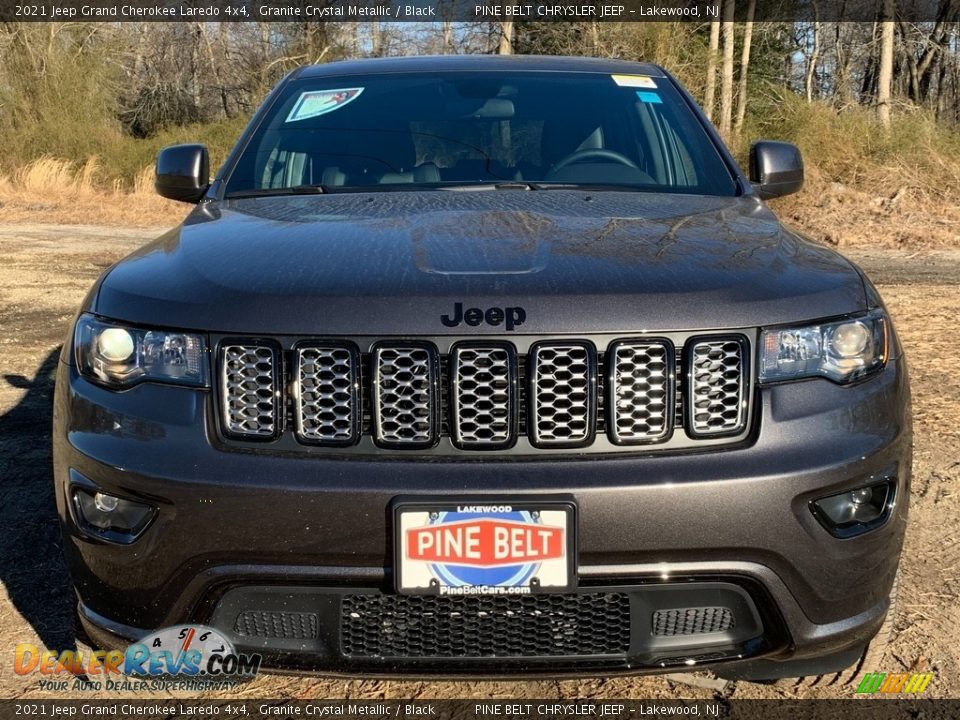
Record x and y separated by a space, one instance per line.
484 365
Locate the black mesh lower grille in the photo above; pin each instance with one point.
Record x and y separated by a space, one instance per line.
692 621
278 624
428 626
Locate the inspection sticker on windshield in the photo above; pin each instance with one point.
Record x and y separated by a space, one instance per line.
640 81
320 102
649 97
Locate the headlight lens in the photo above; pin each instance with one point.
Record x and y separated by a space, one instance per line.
120 356
844 351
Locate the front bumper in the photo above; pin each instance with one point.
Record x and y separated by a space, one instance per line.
737 518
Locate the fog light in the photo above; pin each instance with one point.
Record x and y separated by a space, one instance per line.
856 511
861 495
109 517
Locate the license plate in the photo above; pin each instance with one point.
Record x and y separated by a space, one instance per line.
484 548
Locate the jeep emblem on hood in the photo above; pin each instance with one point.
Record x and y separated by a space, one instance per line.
512 317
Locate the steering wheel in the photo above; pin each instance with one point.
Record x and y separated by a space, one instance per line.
594 153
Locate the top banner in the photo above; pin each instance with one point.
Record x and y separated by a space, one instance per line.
466 10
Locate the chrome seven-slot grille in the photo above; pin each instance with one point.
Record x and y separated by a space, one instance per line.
484 394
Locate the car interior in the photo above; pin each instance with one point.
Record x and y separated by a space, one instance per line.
514 134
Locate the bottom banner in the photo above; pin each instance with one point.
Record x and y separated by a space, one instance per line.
525 709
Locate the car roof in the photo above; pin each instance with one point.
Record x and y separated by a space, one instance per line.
476 63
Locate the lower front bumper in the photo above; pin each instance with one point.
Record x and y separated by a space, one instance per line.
229 520
318 625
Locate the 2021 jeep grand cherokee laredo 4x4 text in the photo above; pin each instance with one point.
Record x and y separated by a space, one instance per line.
481 365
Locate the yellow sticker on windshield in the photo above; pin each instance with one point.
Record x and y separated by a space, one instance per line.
320 102
635 81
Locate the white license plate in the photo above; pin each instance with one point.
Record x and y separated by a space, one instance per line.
484 548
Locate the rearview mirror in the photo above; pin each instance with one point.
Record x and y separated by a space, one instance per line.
776 168
183 172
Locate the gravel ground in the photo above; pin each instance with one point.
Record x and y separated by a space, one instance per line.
45 270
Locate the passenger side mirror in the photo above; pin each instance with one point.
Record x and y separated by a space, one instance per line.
183 172
776 168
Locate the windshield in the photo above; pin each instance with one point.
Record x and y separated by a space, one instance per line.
455 130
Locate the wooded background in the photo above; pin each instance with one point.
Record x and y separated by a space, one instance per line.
860 91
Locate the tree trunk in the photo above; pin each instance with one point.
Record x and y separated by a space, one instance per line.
726 79
885 76
375 38
744 68
811 74
447 37
710 91
506 38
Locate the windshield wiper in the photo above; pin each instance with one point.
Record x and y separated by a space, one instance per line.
264 192
531 185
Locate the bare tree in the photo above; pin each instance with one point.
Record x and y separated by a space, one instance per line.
726 79
506 38
710 90
744 67
812 61
885 77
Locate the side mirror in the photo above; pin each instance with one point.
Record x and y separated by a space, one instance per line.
183 172
776 168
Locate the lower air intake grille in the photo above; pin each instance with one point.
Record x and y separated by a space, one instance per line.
427 626
692 621
283 625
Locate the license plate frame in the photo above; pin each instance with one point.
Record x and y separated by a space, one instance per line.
491 523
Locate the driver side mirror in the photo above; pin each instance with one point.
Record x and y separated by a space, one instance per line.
776 168
183 173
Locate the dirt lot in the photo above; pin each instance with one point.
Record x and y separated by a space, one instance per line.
45 271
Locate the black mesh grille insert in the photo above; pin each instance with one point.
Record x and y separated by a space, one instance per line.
484 395
641 403
277 624
249 386
692 621
562 398
717 377
428 626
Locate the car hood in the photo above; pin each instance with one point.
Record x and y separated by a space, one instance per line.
394 263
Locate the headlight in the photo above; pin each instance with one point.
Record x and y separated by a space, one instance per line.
120 356
843 351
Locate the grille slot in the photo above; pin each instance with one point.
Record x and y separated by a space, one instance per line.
249 385
717 382
641 387
692 621
278 624
562 401
483 395
428 626
405 395
327 397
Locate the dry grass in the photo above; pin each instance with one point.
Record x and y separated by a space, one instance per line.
51 190
896 202
896 213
